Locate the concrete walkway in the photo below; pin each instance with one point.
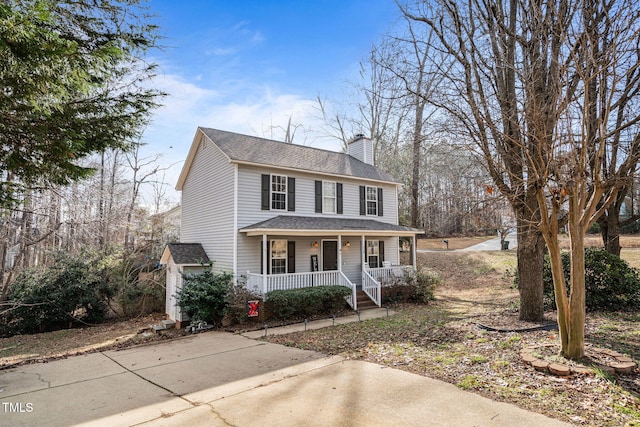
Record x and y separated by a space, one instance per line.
222 379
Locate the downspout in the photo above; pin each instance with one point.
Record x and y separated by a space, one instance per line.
235 222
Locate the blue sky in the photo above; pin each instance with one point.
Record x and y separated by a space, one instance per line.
248 65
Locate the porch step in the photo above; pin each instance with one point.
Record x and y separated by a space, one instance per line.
364 302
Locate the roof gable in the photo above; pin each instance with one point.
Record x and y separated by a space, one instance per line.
185 254
247 149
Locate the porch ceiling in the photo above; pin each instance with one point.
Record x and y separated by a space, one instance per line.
319 226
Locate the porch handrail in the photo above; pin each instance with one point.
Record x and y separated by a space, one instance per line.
371 287
277 282
352 300
386 275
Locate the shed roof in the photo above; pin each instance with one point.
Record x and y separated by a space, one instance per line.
185 254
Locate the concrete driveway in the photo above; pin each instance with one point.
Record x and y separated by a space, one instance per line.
221 379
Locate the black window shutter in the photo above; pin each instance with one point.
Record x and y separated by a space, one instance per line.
318 196
338 198
380 212
291 256
381 250
291 194
363 200
265 192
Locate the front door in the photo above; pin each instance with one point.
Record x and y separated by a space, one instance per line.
329 255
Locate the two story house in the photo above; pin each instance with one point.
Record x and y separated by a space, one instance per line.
284 216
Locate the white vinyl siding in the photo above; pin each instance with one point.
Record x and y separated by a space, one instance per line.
207 205
250 212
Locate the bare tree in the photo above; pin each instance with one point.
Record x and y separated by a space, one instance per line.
547 88
481 93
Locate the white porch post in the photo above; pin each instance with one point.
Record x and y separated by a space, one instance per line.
265 251
363 251
339 252
414 252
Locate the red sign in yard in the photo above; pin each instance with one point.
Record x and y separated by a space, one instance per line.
253 308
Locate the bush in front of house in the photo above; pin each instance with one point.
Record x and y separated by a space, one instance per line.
308 302
203 296
411 287
426 282
610 283
236 300
70 291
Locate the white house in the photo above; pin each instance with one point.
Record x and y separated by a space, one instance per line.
286 216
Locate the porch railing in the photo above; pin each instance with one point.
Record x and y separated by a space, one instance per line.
386 275
281 282
373 279
371 287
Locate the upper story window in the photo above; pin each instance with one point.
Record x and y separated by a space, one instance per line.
372 201
328 197
278 192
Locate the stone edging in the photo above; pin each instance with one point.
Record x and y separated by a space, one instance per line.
622 364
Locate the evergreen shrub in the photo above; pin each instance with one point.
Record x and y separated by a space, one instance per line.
307 302
610 283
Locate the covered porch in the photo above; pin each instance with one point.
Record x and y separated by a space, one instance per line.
300 252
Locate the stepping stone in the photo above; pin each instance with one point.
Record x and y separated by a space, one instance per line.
560 370
583 370
624 367
527 357
169 324
540 365
624 359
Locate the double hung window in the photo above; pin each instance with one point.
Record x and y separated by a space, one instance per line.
278 192
372 201
328 197
278 256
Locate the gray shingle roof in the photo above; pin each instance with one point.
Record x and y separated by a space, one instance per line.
252 149
188 253
285 222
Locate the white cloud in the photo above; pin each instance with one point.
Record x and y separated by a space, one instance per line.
260 111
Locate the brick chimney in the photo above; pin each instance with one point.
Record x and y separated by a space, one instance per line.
361 148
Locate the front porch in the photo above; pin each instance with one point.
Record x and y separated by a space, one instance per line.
301 252
373 279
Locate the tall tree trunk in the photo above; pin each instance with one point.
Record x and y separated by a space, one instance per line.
415 175
610 231
530 251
